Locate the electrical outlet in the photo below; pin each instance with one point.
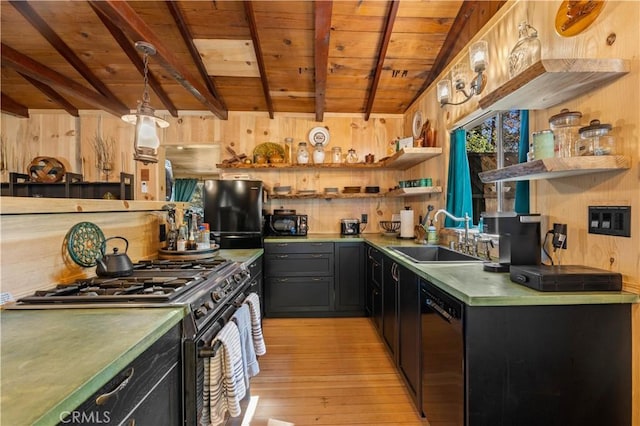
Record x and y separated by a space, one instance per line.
610 220
143 187
560 235
364 218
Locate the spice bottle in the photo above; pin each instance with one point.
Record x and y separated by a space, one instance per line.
181 243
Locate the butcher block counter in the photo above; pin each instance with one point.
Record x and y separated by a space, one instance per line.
53 360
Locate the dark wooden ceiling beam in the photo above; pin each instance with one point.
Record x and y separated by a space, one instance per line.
382 54
53 95
24 65
251 19
133 55
322 34
193 50
123 15
10 106
63 49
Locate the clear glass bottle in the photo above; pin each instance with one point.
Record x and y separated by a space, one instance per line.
526 52
352 157
318 154
288 150
303 153
181 244
336 155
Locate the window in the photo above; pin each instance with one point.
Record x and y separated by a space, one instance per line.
492 142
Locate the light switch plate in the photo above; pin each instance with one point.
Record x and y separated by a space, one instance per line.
610 220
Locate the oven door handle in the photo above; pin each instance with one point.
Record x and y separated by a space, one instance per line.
210 351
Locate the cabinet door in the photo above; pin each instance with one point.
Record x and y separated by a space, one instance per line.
298 294
410 332
373 276
376 307
299 264
349 277
151 383
298 247
390 283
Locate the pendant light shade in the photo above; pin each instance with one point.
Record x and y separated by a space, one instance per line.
146 140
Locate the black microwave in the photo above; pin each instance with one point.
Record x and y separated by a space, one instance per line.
285 225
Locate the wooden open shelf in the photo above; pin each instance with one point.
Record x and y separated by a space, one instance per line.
410 192
550 168
550 82
401 160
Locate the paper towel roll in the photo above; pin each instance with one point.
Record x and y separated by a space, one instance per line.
406 224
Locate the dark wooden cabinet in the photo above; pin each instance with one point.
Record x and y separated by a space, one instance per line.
349 277
373 292
409 331
314 279
390 282
146 392
257 281
298 279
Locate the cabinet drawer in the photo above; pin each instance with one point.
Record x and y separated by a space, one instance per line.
299 265
316 247
293 294
117 400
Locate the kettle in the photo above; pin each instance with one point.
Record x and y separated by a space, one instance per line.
115 264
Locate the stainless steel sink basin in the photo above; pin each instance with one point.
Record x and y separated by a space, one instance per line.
433 254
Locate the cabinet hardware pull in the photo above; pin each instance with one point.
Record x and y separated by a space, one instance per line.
317 244
316 255
104 398
283 244
282 256
282 280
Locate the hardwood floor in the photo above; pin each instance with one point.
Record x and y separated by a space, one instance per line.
329 371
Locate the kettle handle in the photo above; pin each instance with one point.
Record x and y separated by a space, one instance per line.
104 244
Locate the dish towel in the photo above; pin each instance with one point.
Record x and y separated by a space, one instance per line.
226 376
256 325
242 318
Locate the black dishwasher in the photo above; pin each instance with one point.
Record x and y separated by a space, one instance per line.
442 356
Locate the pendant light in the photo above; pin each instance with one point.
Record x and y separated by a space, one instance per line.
146 141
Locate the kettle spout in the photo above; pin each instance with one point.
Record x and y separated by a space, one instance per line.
100 265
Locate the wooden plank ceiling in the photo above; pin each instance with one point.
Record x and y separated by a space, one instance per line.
219 56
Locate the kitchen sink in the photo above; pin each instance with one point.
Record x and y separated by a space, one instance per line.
433 254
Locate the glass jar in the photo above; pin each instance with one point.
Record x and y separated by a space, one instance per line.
526 52
352 157
596 140
288 150
303 153
336 155
318 154
543 145
565 131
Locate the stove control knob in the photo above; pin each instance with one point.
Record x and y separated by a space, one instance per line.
201 311
208 305
217 295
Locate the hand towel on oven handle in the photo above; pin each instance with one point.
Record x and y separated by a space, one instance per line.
242 318
256 325
226 384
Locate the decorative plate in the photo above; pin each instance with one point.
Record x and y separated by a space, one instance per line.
319 136
573 17
417 124
84 242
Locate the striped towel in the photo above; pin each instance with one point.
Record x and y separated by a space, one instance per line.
242 318
226 376
256 325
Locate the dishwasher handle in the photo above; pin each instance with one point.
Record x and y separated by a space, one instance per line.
439 310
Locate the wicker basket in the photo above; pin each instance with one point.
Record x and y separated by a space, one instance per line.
46 170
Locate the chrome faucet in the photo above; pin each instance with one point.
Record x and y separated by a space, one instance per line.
466 243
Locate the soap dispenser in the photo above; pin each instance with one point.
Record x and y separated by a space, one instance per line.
432 235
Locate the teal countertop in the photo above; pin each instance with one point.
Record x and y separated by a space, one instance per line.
469 283
53 360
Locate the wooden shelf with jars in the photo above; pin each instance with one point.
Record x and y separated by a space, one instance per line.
550 168
401 160
401 192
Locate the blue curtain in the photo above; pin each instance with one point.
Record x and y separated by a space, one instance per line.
183 189
522 187
459 180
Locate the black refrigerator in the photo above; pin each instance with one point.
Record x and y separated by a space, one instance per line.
233 210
